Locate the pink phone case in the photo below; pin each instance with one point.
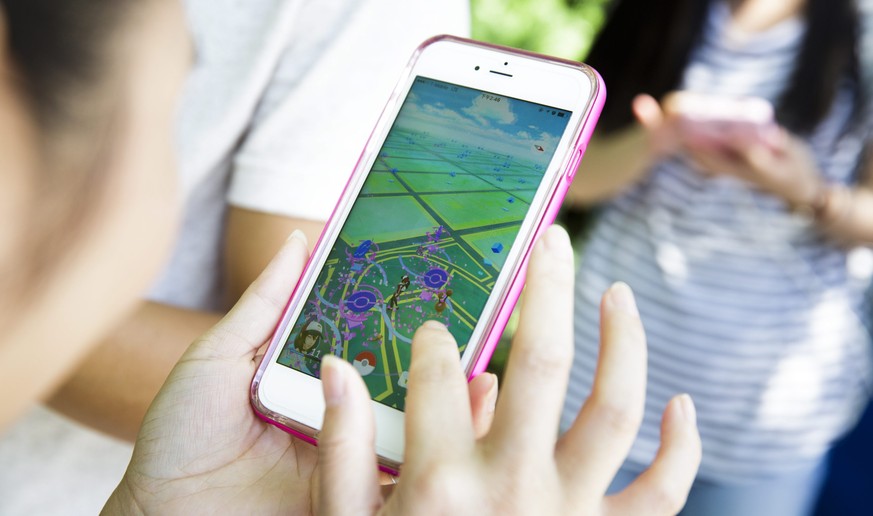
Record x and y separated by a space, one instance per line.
571 160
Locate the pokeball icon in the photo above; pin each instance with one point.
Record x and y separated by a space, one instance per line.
365 363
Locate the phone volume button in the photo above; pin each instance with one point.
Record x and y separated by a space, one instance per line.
574 163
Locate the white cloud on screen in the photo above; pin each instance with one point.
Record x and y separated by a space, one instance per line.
476 132
485 111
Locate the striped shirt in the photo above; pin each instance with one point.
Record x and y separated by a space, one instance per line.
747 306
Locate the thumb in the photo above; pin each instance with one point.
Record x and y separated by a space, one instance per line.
647 111
253 319
662 136
483 398
349 481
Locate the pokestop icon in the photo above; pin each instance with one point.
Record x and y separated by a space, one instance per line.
435 278
361 301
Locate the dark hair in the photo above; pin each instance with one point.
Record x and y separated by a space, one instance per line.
62 52
301 337
645 47
61 49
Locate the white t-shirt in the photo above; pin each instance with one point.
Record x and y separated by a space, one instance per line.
274 116
274 121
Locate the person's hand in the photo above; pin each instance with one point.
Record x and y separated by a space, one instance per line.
202 449
521 466
774 161
661 123
786 170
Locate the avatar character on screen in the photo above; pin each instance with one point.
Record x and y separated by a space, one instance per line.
307 345
401 288
443 300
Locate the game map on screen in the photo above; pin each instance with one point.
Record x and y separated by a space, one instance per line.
429 232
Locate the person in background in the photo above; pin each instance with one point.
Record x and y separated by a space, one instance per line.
747 256
273 116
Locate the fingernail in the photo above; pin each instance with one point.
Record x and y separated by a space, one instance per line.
333 381
298 235
687 409
492 393
622 298
555 238
434 325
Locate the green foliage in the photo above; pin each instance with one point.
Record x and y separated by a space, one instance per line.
563 28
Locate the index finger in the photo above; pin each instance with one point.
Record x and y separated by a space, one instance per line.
438 418
529 408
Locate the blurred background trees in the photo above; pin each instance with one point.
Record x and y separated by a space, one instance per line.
563 28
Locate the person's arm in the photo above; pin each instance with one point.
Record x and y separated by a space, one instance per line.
253 238
783 167
844 214
114 386
615 162
611 164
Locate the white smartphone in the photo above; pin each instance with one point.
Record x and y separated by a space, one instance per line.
467 165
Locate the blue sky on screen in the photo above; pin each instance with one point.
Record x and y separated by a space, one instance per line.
513 127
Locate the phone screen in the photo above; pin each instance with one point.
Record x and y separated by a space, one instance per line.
429 232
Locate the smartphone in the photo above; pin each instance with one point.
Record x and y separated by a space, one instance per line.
722 121
466 167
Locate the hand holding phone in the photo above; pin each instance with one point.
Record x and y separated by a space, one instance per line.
201 445
719 122
738 137
518 467
467 166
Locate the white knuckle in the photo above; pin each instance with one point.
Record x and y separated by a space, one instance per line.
620 419
542 361
440 489
665 500
438 369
